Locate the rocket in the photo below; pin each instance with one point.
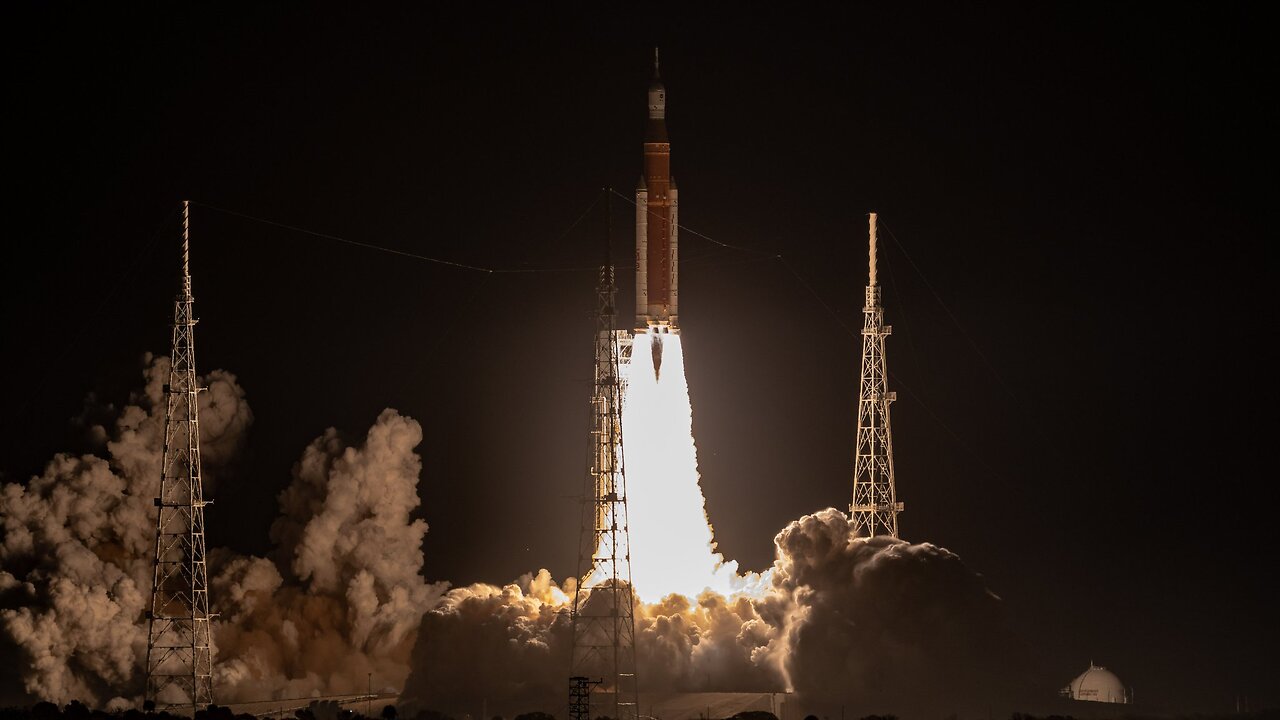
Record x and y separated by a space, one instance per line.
657 272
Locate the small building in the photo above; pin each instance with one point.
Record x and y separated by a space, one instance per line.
1097 684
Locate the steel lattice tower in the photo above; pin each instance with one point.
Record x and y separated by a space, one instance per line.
179 657
580 697
603 616
875 504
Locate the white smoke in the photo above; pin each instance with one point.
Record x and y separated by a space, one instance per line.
508 647
75 563
881 623
355 594
344 597
842 621
870 624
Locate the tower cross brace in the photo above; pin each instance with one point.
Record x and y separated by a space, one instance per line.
875 507
603 616
179 650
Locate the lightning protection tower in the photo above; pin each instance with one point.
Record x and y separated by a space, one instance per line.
875 504
179 658
603 616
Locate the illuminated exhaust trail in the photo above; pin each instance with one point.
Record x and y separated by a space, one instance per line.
674 550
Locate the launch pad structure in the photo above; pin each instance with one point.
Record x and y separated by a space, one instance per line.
603 661
179 651
875 507
603 615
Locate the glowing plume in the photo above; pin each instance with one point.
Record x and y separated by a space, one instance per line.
674 551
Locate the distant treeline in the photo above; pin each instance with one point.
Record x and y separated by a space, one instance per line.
321 710
1096 710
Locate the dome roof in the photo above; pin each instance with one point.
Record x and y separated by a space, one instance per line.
1097 684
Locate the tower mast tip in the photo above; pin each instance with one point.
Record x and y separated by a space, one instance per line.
871 250
186 246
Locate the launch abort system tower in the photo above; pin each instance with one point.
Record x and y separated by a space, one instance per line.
179 657
875 504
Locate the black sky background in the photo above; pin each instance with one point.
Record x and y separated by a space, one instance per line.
1086 417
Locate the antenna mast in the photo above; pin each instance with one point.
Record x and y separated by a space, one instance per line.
603 615
179 657
875 507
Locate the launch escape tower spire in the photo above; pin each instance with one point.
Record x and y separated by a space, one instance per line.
179 658
603 615
875 504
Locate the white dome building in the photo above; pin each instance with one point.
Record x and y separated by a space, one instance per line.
1097 684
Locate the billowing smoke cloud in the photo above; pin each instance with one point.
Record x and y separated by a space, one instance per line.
884 625
506 646
343 595
347 596
868 625
874 625
75 570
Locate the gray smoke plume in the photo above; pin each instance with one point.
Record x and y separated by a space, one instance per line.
343 595
508 648
75 570
873 625
882 625
346 594
507 645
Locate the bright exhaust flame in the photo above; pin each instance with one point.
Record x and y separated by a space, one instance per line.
674 551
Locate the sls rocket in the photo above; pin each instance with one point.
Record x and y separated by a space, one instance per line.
657 276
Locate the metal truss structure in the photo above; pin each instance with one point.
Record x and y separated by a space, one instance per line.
603 616
580 697
875 506
179 653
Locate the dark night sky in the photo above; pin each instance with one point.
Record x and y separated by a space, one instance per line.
1083 189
